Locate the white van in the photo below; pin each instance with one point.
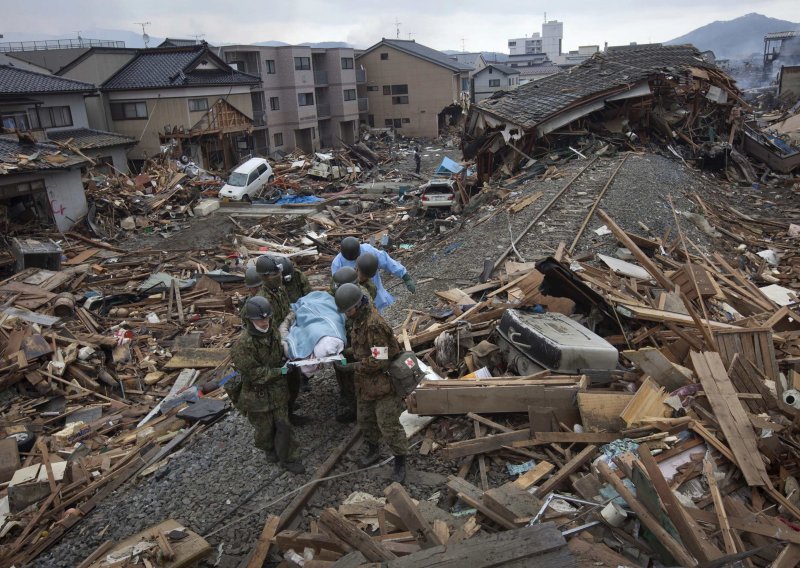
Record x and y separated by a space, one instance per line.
246 181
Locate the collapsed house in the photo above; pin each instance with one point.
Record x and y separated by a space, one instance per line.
651 93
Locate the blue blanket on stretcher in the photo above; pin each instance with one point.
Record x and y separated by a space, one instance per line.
317 317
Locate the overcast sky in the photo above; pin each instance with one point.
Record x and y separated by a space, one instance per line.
482 24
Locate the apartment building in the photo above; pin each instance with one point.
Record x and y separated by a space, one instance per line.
309 95
412 88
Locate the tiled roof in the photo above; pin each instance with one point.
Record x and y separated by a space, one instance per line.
15 81
11 149
175 67
546 69
504 69
86 138
534 102
423 52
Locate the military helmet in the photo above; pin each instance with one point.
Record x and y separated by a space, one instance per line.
257 307
367 263
348 296
286 265
252 279
350 248
345 275
266 264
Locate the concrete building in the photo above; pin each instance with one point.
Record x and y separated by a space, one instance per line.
53 109
184 100
412 88
308 95
492 78
549 42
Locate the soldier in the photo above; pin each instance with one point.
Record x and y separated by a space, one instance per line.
379 407
345 275
367 268
295 282
263 392
351 248
272 289
252 281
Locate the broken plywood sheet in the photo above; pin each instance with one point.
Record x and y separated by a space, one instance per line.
663 371
600 411
648 402
198 358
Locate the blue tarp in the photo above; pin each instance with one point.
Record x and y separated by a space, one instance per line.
317 317
298 199
449 166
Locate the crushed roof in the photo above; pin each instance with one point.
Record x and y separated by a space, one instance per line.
86 138
534 102
175 67
11 162
423 52
16 81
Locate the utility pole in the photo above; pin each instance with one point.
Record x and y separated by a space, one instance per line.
397 27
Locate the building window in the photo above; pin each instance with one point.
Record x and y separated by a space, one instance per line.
349 94
371 120
510 81
384 56
494 82
387 122
305 99
302 63
512 43
490 70
50 117
401 100
406 121
464 84
347 63
278 137
393 123
399 89
18 120
129 111
270 65
198 105
274 103
387 90
373 88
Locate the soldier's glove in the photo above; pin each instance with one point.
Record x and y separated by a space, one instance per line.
340 365
410 284
284 370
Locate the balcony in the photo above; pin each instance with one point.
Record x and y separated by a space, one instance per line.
259 118
320 78
361 76
323 111
363 105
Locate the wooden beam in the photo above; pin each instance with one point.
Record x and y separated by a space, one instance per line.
473 497
349 533
569 468
261 551
719 507
676 549
413 520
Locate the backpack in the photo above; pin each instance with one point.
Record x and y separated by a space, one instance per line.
405 373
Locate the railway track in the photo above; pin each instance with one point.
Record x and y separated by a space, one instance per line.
567 212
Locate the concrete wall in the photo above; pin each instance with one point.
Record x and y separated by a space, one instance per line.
431 88
170 107
118 155
789 80
64 193
76 107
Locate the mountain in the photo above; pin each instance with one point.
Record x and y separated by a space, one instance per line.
735 39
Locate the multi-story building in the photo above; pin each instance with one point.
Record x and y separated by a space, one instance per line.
549 43
309 94
186 99
412 88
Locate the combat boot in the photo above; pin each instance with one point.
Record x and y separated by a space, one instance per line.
272 457
399 473
295 467
371 456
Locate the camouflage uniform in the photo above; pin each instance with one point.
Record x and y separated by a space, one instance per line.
298 286
280 309
344 374
379 407
264 394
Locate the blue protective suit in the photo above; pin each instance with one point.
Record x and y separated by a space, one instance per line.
385 262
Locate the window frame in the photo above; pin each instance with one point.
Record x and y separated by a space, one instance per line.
121 105
348 63
352 93
306 97
399 89
400 100
302 64
385 56
190 101
494 82
44 117
277 138
274 103
269 65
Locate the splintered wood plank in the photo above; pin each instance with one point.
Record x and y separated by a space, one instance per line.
533 475
81 257
719 507
730 415
653 363
411 517
261 551
569 468
473 497
349 533
648 402
600 412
